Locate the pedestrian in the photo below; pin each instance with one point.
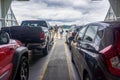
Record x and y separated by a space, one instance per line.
56 31
53 31
61 32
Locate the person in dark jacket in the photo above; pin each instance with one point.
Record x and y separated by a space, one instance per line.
56 31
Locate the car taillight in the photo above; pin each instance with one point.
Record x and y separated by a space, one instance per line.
112 60
115 62
42 36
73 33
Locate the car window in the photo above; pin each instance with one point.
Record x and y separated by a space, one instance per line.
81 33
98 38
34 23
107 38
90 33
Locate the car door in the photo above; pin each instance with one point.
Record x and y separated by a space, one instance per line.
5 61
88 49
77 57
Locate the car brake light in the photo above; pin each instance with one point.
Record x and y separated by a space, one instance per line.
112 60
42 36
115 62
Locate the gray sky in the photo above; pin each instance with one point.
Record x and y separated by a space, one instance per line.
61 11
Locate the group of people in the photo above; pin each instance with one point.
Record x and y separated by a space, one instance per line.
58 31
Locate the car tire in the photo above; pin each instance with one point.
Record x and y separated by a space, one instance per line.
72 58
69 44
86 77
45 50
23 69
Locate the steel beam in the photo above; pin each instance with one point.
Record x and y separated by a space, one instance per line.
115 4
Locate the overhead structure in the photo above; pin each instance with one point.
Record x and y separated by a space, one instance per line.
7 17
115 4
110 15
4 7
10 19
114 11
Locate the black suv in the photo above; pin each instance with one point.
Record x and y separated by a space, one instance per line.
96 51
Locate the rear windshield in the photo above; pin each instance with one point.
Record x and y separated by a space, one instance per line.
107 38
34 23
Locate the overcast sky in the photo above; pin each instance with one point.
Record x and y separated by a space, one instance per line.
61 11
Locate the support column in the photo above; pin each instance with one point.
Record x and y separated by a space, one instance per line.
5 5
0 13
116 7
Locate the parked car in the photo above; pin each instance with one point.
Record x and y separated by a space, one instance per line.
13 59
35 34
71 34
96 51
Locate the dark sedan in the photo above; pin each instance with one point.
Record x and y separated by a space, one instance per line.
96 51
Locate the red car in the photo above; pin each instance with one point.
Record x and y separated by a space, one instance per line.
13 59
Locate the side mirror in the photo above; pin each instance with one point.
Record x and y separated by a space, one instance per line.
89 47
4 38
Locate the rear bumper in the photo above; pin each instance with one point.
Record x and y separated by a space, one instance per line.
111 77
102 73
39 46
106 72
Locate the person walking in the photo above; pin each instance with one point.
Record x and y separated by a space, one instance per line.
61 32
56 31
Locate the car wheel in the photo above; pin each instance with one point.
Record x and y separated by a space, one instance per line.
72 60
86 77
45 50
23 70
69 45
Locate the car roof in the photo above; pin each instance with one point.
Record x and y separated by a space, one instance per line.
108 24
33 20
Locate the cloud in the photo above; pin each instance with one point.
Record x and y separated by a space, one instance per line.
61 11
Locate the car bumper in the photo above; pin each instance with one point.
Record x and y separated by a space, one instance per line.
39 46
112 77
103 74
